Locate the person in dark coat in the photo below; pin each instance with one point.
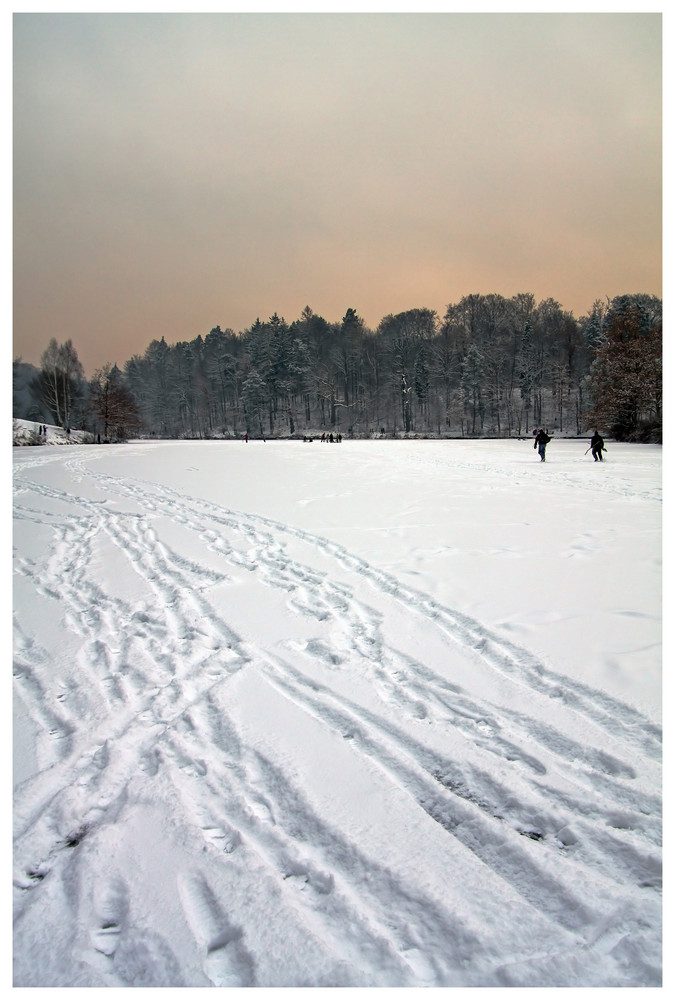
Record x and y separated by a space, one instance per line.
597 447
540 442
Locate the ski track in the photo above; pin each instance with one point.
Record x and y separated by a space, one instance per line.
540 808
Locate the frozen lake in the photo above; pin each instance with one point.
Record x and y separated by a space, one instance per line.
367 714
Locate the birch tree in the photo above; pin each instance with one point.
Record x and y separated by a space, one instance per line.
61 373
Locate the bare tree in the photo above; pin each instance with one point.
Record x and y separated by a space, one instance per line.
112 404
61 372
626 376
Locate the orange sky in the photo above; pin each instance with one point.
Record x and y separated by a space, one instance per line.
177 172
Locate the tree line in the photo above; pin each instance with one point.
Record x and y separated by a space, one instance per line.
491 366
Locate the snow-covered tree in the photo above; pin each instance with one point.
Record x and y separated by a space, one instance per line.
255 396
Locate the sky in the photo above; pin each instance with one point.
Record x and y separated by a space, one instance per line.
177 172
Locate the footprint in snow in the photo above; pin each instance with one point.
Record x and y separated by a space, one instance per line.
227 961
110 909
144 959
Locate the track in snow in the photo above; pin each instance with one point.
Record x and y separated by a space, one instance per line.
544 809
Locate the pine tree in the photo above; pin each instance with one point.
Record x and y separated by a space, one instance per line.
255 396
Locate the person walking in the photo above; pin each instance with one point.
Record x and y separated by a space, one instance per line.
540 442
597 447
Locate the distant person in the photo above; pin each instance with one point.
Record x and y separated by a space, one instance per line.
246 437
540 442
597 447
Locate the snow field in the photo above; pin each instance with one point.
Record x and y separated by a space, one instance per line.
369 714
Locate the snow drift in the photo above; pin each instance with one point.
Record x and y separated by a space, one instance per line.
368 714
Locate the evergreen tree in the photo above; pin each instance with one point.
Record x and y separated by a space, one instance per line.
255 397
222 353
160 389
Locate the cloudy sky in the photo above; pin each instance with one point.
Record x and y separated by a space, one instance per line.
174 172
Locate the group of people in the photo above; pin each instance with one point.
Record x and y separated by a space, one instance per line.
331 438
542 438
42 431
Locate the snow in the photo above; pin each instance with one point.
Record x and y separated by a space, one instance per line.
369 714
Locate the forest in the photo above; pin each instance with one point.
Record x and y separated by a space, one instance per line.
490 367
